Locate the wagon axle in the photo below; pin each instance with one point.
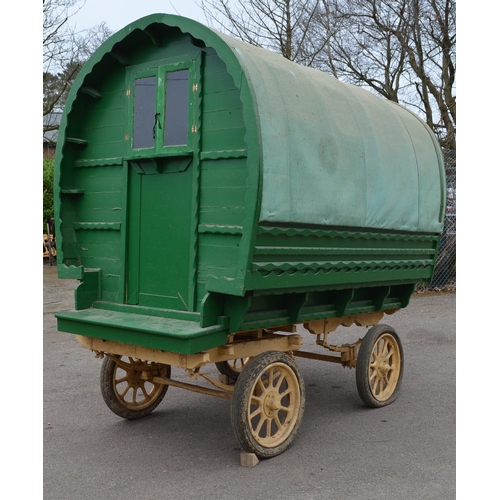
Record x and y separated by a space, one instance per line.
267 392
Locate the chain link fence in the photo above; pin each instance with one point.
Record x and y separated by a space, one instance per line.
445 277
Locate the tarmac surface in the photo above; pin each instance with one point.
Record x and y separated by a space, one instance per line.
186 449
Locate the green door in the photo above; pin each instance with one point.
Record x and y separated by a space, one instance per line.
160 239
161 159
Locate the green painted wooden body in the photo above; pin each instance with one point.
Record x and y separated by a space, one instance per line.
288 197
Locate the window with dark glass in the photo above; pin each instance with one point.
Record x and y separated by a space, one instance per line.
160 107
176 108
144 112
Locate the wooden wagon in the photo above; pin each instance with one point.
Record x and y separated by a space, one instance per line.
210 196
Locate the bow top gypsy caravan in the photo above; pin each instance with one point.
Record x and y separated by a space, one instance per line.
210 194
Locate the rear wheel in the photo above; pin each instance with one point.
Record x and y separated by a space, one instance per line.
232 368
379 367
126 389
268 404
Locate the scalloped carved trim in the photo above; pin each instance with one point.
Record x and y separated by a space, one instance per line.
333 233
313 268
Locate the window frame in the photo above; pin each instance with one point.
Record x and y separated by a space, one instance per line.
160 71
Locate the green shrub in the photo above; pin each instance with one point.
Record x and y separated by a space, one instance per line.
48 191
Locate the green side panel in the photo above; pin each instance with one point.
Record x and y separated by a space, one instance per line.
101 196
97 226
223 138
222 193
89 290
219 99
222 121
221 222
289 308
218 254
275 308
103 128
101 249
297 259
218 83
229 196
167 334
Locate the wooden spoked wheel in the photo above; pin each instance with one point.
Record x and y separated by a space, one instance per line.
379 367
127 388
268 404
233 367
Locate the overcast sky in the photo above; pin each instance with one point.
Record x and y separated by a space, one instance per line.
117 13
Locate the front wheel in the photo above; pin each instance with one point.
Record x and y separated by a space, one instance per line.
268 404
379 367
126 391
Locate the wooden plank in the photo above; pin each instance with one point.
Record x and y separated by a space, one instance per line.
223 119
214 140
230 196
229 99
231 216
218 82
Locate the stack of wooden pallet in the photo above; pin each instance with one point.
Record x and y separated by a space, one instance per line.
49 247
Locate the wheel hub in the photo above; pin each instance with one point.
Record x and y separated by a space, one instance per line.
382 367
271 404
133 378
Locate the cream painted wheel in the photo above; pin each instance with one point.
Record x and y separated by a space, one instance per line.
126 389
233 367
268 404
379 367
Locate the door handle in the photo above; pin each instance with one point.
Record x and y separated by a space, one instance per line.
157 122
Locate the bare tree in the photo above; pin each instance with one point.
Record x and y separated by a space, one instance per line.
403 50
58 34
284 26
64 52
358 51
431 49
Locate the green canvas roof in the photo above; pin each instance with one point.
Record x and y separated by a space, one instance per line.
336 154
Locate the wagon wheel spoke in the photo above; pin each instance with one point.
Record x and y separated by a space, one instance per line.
257 411
262 421
122 379
280 380
260 390
238 364
278 424
286 392
381 347
134 395
124 391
